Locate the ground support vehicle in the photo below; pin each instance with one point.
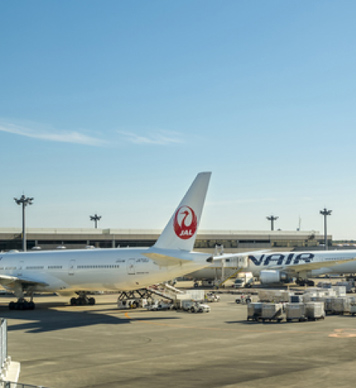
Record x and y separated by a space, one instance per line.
314 310
244 279
211 297
243 299
131 303
208 283
159 305
194 306
295 311
254 311
272 312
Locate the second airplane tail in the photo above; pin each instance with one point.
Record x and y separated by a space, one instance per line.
181 230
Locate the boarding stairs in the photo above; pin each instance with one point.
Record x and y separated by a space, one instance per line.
164 290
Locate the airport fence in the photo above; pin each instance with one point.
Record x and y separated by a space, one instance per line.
3 342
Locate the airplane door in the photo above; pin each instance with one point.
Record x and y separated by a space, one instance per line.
131 267
71 267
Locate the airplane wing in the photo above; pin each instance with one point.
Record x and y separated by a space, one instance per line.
11 281
310 266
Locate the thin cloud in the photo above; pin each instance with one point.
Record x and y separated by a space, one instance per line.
56 136
154 138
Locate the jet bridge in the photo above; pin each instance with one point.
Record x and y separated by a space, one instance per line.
223 268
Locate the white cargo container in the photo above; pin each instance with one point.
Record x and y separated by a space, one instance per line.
328 305
272 312
254 310
314 310
276 296
340 290
340 305
295 311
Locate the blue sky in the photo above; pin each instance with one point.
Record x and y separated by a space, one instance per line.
113 107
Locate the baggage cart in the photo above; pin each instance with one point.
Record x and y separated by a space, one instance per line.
254 311
314 310
328 305
272 312
295 311
340 305
353 309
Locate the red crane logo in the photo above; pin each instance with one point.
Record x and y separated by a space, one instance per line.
185 222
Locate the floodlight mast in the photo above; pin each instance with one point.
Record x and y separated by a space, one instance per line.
272 219
24 202
95 218
325 213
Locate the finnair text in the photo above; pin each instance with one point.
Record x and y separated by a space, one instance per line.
281 259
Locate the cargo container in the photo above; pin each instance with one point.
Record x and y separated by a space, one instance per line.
254 311
272 312
337 305
295 311
314 310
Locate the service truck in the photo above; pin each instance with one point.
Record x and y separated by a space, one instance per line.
244 279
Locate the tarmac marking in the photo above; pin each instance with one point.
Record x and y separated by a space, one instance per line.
343 333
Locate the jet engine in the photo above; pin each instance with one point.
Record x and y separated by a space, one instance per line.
273 276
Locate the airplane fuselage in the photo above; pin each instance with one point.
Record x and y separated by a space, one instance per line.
91 269
283 260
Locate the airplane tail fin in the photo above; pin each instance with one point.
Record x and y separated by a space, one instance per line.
181 230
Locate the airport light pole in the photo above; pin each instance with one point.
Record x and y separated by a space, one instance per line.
24 202
95 218
325 213
272 219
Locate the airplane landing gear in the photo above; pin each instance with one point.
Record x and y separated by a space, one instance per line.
22 304
305 282
82 300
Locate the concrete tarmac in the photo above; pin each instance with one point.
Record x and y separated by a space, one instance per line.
60 346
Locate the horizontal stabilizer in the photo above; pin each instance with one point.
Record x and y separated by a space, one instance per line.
164 260
169 257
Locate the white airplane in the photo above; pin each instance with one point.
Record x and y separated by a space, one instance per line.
122 269
284 267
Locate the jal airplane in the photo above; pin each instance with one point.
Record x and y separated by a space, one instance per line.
122 269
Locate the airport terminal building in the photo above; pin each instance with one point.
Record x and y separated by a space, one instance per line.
207 240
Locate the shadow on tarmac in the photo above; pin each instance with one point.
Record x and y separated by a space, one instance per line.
51 319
